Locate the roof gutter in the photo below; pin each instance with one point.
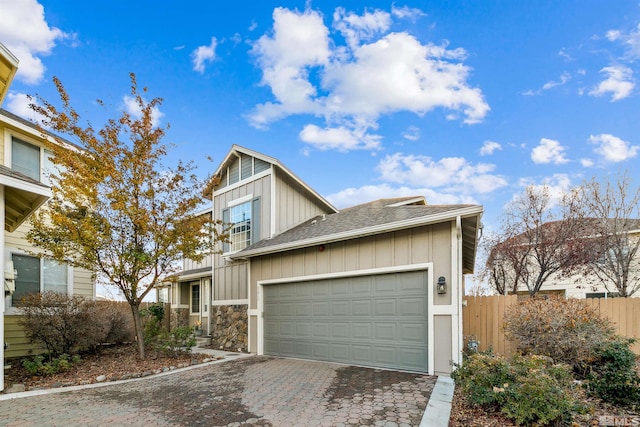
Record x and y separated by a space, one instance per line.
361 232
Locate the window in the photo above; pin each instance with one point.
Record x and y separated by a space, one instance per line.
163 295
38 275
243 220
27 159
195 297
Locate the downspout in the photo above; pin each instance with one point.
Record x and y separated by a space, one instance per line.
460 295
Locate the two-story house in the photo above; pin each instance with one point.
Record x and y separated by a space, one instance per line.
378 284
24 187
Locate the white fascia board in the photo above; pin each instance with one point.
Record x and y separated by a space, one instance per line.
33 131
362 232
19 184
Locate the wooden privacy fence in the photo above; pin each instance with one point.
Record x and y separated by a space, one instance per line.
483 317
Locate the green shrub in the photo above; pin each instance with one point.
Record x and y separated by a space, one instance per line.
530 390
178 340
152 317
567 330
37 365
613 375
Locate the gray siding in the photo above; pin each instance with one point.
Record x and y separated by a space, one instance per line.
414 246
294 204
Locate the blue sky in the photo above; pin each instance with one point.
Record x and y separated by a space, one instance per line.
463 102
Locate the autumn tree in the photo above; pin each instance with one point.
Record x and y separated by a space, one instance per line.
537 240
117 210
611 257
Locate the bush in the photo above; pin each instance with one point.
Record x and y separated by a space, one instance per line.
567 330
529 390
178 340
152 318
613 375
37 366
64 324
116 315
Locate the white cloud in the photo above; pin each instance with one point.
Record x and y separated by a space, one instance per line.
412 133
406 12
26 33
549 151
489 147
564 78
374 74
557 186
340 138
587 163
619 83
630 41
18 104
613 149
356 28
132 107
355 196
455 174
203 55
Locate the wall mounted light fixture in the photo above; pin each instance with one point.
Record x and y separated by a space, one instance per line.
441 286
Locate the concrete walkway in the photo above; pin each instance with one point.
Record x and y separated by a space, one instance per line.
243 389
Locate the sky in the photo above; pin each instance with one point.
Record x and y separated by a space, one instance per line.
458 101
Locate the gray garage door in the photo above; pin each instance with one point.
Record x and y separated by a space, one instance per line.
378 320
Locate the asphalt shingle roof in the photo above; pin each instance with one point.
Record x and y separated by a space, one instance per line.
360 217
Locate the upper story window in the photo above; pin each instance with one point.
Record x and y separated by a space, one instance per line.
242 221
31 160
240 232
38 275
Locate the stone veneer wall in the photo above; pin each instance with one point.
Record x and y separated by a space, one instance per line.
179 317
229 327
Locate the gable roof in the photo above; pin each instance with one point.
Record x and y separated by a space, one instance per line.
369 219
237 150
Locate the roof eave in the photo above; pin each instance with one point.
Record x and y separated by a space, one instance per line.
361 232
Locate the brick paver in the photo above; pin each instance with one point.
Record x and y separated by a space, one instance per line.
250 391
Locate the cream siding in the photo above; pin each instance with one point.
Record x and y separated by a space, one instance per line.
293 204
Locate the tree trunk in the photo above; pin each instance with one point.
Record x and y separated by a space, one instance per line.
137 323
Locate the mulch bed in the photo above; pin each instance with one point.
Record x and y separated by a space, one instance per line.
110 363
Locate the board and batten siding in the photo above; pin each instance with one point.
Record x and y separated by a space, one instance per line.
294 205
229 278
421 245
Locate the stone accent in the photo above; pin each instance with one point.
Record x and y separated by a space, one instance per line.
229 327
179 317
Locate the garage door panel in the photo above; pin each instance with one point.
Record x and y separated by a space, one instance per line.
412 306
385 307
386 331
361 331
361 285
411 332
339 308
378 320
340 330
321 330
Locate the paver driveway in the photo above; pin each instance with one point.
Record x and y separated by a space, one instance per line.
255 390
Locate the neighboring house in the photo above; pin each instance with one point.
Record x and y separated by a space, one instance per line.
580 286
577 284
378 284
23 189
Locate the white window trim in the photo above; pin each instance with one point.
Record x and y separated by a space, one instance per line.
236 202
191 312
9 308
8 152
